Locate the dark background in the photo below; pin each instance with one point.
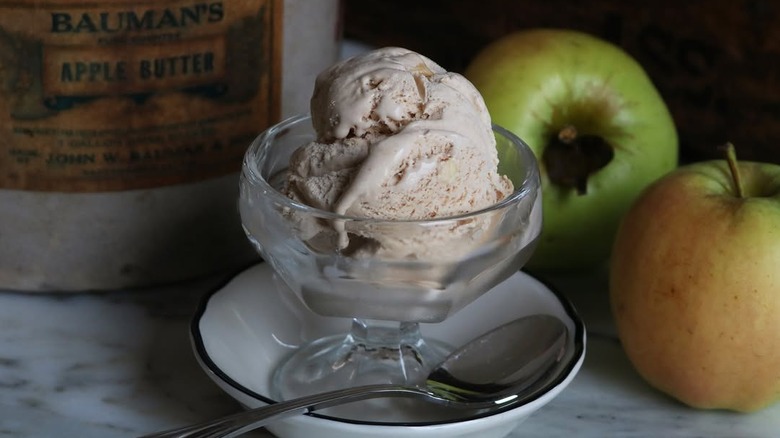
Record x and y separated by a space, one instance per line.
715 62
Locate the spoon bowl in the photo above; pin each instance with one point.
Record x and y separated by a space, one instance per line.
503 366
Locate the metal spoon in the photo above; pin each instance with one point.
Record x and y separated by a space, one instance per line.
507 365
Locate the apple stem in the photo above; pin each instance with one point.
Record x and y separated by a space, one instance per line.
731 158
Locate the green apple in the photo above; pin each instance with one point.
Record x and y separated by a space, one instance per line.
597 125
695 285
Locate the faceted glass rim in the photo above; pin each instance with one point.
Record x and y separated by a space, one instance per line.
258 150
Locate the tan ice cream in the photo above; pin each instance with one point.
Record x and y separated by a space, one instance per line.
398 137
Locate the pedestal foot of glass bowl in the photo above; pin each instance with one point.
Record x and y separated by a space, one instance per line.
372 352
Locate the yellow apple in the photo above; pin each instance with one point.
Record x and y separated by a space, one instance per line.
695 284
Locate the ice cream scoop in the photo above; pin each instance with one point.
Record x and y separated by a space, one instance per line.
398 137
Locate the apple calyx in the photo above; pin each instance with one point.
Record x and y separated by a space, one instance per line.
731 159
570 157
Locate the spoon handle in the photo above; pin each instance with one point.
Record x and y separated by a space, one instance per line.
245 421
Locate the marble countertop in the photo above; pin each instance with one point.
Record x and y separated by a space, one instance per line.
119 364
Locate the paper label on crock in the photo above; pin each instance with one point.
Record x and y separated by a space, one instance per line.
114 95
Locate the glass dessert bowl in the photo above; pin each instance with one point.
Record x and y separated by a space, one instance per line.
387 275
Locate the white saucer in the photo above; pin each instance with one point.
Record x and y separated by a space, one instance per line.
242 330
